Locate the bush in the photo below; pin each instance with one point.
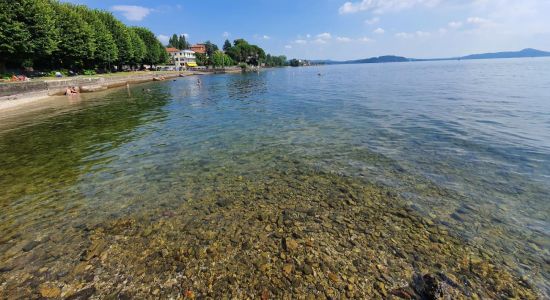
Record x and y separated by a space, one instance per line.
89 72
243 66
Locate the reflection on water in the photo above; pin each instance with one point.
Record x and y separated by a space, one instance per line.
467 144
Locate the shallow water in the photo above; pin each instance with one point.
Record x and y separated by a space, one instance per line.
465 144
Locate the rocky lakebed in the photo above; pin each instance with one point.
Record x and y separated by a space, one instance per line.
291 233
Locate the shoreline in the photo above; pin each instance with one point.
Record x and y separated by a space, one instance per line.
16 94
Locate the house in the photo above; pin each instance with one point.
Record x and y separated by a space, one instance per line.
199 48
182 58
172 53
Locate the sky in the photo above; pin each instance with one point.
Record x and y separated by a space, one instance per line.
342 30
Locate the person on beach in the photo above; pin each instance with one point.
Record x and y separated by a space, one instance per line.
19 78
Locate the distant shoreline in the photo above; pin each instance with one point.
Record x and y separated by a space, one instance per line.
525 53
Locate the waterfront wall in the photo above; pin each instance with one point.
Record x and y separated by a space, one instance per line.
44 88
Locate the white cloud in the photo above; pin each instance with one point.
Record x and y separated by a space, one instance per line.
266 37
365 40
308 35
458 26
300 42
404 35
477 20
381 6
324 36
372 21
407 35
163 38
343 39
379 31
186 35
455 24
288 47
226 34
132 12
422 34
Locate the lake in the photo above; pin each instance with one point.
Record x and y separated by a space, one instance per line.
326 181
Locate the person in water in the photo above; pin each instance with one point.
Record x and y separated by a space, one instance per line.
71 91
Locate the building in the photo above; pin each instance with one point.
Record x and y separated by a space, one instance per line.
199 48
172 50
172 53
182 58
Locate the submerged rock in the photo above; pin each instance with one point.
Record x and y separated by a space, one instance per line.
31 245
434 287
273 236
290 244
83 294
223 202
49 290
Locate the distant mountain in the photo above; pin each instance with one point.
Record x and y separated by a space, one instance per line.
372 60
380 59
517 54
391 58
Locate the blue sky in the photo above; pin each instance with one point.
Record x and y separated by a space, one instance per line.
339 29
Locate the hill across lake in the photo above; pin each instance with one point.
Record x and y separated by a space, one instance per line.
529 52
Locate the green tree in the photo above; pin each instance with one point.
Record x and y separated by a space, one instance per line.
243 52
155 50
182 42
173 41
122 38
226 45
140 49
76 38
275 61
106 51
228 61
256 56
27 31
201 59
210 48
163 56
220 59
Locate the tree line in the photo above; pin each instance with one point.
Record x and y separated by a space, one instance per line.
178 42
243 52
47 34
238 52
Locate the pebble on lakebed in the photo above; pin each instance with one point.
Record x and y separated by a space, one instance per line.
293 234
